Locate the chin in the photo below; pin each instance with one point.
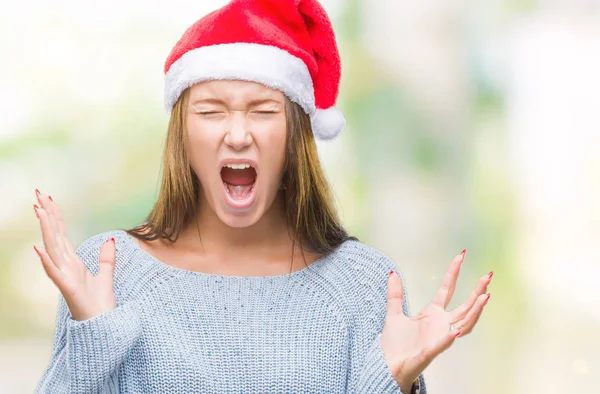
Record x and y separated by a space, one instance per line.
239 220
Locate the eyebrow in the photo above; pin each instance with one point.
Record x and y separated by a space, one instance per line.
221 102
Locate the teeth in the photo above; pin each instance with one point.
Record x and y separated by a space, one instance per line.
238 166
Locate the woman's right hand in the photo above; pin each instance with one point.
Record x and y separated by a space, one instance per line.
86 295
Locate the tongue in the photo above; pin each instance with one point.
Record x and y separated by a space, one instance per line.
238 192
238 182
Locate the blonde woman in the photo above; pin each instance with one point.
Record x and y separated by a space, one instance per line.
242 278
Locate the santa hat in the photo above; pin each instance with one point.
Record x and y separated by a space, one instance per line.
288 45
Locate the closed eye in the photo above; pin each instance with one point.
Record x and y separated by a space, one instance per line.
206 113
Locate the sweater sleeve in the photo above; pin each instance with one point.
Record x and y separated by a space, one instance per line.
369 372
86 354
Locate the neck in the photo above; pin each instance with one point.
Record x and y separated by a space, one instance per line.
270 233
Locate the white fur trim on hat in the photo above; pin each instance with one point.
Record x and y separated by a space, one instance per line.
264 64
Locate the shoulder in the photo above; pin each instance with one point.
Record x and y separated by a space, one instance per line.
367 279
132 270
136 272
366 260
89 250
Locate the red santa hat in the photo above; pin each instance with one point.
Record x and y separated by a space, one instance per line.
288 45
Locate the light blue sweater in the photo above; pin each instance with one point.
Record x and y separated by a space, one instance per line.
316 330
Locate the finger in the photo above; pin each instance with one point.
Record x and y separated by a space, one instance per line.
481 288
52 270
395 294
55 220
466 325
453 284
54 209
106 259
52 243
444 294
45 204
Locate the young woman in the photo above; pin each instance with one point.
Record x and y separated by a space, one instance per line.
242 279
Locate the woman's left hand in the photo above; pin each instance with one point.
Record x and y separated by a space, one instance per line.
410 344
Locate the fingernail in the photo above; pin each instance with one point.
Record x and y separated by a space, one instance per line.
457 335
111 239
487 298
463 252
35 208
50 198
37 192
490 275
390 272
36 250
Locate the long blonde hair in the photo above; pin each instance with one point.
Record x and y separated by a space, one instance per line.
310 210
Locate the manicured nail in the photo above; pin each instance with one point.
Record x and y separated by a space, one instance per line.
490 275
390 272
487 298
50 198
37 192
463 252
35 208
36 250
457 335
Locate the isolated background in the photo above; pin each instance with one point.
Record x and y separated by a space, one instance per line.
471 124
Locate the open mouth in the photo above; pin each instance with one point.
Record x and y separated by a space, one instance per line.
239 181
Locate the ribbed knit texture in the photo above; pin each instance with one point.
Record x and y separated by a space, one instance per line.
316 330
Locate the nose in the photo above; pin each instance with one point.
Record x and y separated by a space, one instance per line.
238 136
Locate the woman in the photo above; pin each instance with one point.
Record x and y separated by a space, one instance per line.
242 278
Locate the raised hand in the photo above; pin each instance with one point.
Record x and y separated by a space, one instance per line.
410 344
86 295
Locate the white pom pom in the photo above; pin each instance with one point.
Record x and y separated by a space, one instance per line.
327 123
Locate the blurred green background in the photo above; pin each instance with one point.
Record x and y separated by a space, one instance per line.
470 125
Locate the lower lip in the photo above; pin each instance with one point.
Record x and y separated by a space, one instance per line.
240 204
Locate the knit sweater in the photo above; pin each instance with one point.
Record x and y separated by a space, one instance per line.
316 330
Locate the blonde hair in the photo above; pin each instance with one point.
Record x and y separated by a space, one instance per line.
310 210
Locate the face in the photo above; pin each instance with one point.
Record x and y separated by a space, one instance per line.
237 138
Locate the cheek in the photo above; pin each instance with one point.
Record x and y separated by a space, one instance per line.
272 148
201 150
